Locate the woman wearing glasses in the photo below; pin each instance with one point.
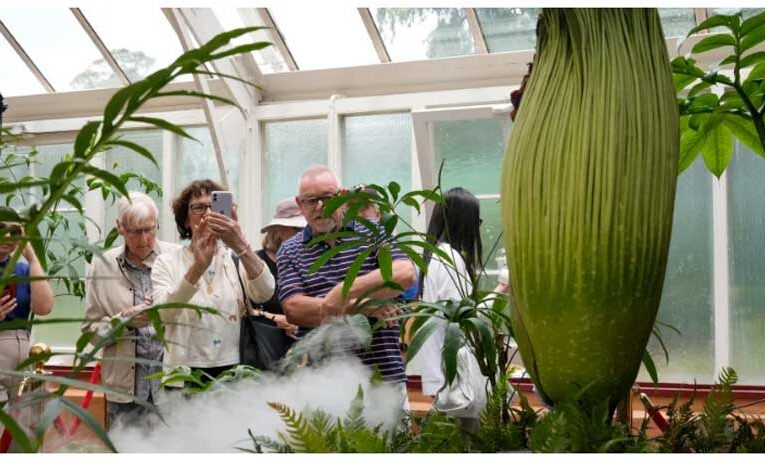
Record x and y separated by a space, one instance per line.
17 300
203 273
119 287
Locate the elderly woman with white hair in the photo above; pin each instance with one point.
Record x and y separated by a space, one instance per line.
119 286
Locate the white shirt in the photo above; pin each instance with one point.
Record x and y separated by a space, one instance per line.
209 340
442 282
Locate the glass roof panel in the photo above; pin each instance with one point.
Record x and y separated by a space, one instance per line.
268 59
322 36
138 54
677 22
509 29
70 61
422 33
16 79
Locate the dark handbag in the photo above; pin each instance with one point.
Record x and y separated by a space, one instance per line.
261 342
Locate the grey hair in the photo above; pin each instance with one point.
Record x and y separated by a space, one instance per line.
138 210
317 170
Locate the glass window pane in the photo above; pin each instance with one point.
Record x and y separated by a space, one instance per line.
472 151
421 33
378 149
687 302
746 230
509 29
138 54
70 61
315 44
16 79
677 22
196 160
268 59
491 239
70 227
290 147
121 160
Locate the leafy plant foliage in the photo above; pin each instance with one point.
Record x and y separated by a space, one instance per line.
710 123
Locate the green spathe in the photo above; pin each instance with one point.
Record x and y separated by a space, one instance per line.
588 193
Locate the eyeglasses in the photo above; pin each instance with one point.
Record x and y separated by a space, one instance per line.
14 231
311 202
199 208
149 231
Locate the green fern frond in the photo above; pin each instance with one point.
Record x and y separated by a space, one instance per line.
301 438
354 419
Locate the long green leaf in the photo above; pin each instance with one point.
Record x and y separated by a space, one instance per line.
106 177
331 252
18 434
164 124
752 59
350 276
84 138
385 261
240 49
197 94
718 149
135 147
753 23
429 325
691 142
752 39
650 367
452 343
712 42
90 422
745 132
714 21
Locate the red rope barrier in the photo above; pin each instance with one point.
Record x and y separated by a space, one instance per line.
94 378
58 423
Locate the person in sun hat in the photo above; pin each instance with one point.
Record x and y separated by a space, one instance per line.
287 221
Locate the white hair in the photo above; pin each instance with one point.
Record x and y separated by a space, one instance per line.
138 210
317 170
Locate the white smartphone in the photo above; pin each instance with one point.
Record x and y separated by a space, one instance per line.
222 202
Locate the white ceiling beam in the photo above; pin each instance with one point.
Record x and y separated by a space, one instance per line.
216 135
476 31
88 103
374 34
25 57
105 53
204 25
265 18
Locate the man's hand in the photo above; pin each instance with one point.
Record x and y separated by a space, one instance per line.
383 313
289 329
139 318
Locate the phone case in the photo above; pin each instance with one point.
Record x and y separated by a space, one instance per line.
221 202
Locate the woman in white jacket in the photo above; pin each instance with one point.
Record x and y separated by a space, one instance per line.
203 273
455 228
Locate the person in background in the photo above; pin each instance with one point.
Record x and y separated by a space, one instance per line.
287 222
455 228
310 299
18 301
203 273
118 286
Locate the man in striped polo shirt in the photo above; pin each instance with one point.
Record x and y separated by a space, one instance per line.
310 299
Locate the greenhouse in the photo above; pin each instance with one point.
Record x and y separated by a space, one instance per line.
331 228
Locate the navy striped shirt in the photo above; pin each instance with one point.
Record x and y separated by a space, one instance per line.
294 259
